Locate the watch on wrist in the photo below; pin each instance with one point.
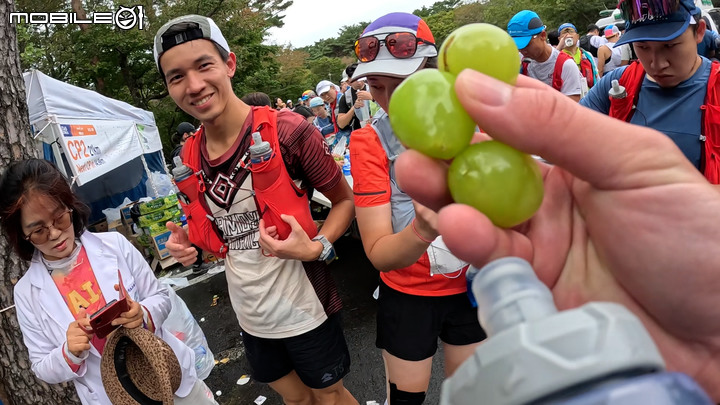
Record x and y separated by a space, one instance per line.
328 252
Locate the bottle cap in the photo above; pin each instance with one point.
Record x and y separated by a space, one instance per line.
617 91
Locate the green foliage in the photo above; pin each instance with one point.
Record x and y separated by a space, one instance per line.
120 64
552 12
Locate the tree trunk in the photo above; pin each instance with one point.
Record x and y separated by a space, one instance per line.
18 384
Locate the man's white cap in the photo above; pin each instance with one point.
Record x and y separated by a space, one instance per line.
184 29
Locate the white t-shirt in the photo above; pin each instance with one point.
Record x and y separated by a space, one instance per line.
571 76
598 41
619 54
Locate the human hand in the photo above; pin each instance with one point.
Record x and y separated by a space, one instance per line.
425 221
625 218
364 95
78 334
131 319
359 104
179 246
297 246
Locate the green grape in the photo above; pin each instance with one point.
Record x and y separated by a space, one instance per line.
481 47
426 115
501 182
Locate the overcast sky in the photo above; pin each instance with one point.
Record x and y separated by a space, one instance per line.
307 21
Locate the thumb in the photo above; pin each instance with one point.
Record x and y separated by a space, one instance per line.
294 224
82 313
176 231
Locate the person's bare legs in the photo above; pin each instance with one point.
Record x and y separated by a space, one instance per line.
456 355
408 376
335 394
292 390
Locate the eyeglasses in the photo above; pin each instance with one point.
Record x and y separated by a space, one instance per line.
401 45
42 234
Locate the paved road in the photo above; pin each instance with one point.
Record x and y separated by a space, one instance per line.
356 279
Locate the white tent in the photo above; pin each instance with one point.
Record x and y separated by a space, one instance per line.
95 133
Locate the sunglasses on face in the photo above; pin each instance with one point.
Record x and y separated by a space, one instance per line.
401 45
42 234
568 31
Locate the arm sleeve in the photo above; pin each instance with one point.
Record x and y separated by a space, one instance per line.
370 169
571 79
46 356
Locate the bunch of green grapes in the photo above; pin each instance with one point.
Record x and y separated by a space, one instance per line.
501 182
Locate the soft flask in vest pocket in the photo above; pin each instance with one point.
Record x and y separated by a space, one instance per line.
275 191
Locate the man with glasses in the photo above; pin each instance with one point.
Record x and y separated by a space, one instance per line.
542 61
670 88
569 43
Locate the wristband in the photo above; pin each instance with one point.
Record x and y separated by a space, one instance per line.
418 233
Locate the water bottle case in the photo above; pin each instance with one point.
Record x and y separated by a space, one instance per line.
279 195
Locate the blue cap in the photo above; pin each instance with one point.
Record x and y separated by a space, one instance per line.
652 20
316 102
567 25
523 26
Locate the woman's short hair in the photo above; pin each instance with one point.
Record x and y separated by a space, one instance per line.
21 181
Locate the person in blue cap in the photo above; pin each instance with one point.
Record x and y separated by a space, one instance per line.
569 42
667 89
540 60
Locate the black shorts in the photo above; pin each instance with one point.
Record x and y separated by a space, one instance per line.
320 357
408 326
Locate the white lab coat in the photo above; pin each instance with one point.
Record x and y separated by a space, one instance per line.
44 316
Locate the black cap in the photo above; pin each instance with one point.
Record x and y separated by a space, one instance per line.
185 127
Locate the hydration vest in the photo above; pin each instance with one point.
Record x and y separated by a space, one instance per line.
623 109
557 80
201 226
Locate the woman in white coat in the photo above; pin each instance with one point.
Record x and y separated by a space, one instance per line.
73 273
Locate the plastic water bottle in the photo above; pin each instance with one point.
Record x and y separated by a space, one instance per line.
617 91
184 181
598 354
265 169
346 164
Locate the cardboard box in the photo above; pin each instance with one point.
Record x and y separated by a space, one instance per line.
125 216
99 226
159 249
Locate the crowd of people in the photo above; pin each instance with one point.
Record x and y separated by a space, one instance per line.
626 217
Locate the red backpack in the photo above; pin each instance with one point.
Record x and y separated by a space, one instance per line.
586 69
624 108
557 81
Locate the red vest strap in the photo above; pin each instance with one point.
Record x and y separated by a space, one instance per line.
587 71
631 79
557 80
524 69
710 162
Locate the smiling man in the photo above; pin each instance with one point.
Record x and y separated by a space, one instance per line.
667 88
281 290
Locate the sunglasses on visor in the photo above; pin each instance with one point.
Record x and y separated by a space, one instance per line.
401 45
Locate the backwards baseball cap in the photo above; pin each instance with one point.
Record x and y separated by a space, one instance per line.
656 20
323 87
523 26
611 30
566 26
316 102
385 64
184 29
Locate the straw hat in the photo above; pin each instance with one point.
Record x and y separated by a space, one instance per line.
138 367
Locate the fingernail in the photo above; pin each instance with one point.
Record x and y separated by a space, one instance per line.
484 89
